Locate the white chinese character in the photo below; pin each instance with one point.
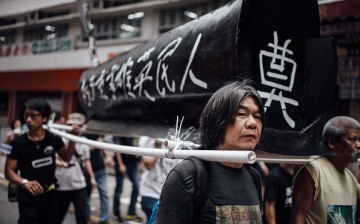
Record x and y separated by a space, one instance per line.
275 75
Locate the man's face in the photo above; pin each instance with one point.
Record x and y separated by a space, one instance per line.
244 134
33 119
348 144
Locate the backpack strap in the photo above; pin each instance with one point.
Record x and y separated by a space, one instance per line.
201 188
257 181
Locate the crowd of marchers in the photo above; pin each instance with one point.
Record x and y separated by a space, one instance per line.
50 172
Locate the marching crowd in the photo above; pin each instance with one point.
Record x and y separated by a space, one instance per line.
52 172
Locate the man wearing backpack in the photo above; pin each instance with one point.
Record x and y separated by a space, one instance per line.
233 119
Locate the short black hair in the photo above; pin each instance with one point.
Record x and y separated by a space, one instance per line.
40 105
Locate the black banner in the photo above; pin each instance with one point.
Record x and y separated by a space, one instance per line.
275 43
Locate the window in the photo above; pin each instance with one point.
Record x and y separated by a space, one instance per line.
118 27
172 18
5 22
7 37
50 14
41 14
115 3
45 32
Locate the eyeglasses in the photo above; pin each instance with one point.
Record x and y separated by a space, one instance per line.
31 115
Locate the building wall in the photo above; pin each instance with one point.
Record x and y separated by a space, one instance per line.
51 71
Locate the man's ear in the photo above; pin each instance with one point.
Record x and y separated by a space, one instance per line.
331 144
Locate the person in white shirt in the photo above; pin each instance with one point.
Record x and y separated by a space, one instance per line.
74 177
154 175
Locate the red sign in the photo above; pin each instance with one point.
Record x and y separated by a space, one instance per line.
50 80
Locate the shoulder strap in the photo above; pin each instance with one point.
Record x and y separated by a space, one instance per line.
257 181
201 191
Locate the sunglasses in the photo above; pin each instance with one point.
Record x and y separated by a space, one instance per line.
31 115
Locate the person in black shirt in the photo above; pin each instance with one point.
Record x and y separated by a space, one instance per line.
278 194
126 165
33 153
231 120
99 159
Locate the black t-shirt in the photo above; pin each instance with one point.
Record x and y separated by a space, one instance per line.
232 198
126 158
97 161
96 158
279 189
36 160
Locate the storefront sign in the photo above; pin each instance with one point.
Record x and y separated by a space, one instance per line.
37 47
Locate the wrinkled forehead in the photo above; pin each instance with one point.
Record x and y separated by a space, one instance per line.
250 102
353 131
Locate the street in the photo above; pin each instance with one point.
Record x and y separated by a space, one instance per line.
9 211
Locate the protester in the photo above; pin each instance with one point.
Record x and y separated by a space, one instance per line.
126 165
325 191
278 194
232 119
15 131
72 177
59 119
154 175
99 158
34 155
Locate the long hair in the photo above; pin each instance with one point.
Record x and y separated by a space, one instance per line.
40 105
220 112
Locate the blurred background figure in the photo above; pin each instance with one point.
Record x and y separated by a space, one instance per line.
16 130
154 175
99 159
278 194
74 177
126 165
60 119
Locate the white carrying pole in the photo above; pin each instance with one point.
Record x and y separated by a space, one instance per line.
174 152
209 155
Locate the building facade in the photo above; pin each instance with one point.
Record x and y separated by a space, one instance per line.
44 49
341 20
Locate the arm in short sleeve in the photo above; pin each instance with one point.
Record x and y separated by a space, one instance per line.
303 194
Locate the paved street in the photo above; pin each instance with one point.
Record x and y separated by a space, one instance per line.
9 211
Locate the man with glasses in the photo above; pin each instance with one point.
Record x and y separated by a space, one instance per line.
33 153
